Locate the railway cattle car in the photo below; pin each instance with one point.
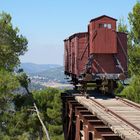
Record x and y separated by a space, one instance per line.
98 55
75 55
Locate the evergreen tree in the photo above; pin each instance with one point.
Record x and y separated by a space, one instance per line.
134 51
8 83
132 91
122 26
134 20
12 44
49 103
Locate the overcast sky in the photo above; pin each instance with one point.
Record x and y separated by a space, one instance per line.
46 23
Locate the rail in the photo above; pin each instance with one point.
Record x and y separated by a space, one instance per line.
115 114
100 117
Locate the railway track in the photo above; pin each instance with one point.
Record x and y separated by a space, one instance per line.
121 115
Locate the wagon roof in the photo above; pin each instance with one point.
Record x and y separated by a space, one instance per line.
97 18
75 34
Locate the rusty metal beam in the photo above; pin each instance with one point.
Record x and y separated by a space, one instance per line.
111 137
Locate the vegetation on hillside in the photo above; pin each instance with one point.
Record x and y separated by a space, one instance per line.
22 123
52 74
25 118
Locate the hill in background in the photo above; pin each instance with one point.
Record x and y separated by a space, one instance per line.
45 75
36 68
53 75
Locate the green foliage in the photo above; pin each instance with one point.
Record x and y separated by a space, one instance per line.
8 83
23 122
119 88
134 64
45 98
134 20
134 50
59 137
132 92
134 36
12 45
24 81
49 104
133 39
22 101
20 123
122 27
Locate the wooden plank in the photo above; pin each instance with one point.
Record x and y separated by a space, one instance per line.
117 125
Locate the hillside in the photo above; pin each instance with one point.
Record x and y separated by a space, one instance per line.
36 68
52 74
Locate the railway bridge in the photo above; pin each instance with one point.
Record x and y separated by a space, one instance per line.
99 117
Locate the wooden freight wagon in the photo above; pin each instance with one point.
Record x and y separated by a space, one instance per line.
98 55
66 56
76 54
102 35
108 49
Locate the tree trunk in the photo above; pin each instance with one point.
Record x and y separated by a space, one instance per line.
43 125
40 133
38 115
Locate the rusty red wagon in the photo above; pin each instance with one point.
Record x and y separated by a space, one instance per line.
98 55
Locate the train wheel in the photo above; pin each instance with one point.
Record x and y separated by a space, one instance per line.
98 84
75 87
104 86
84 89
111 87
